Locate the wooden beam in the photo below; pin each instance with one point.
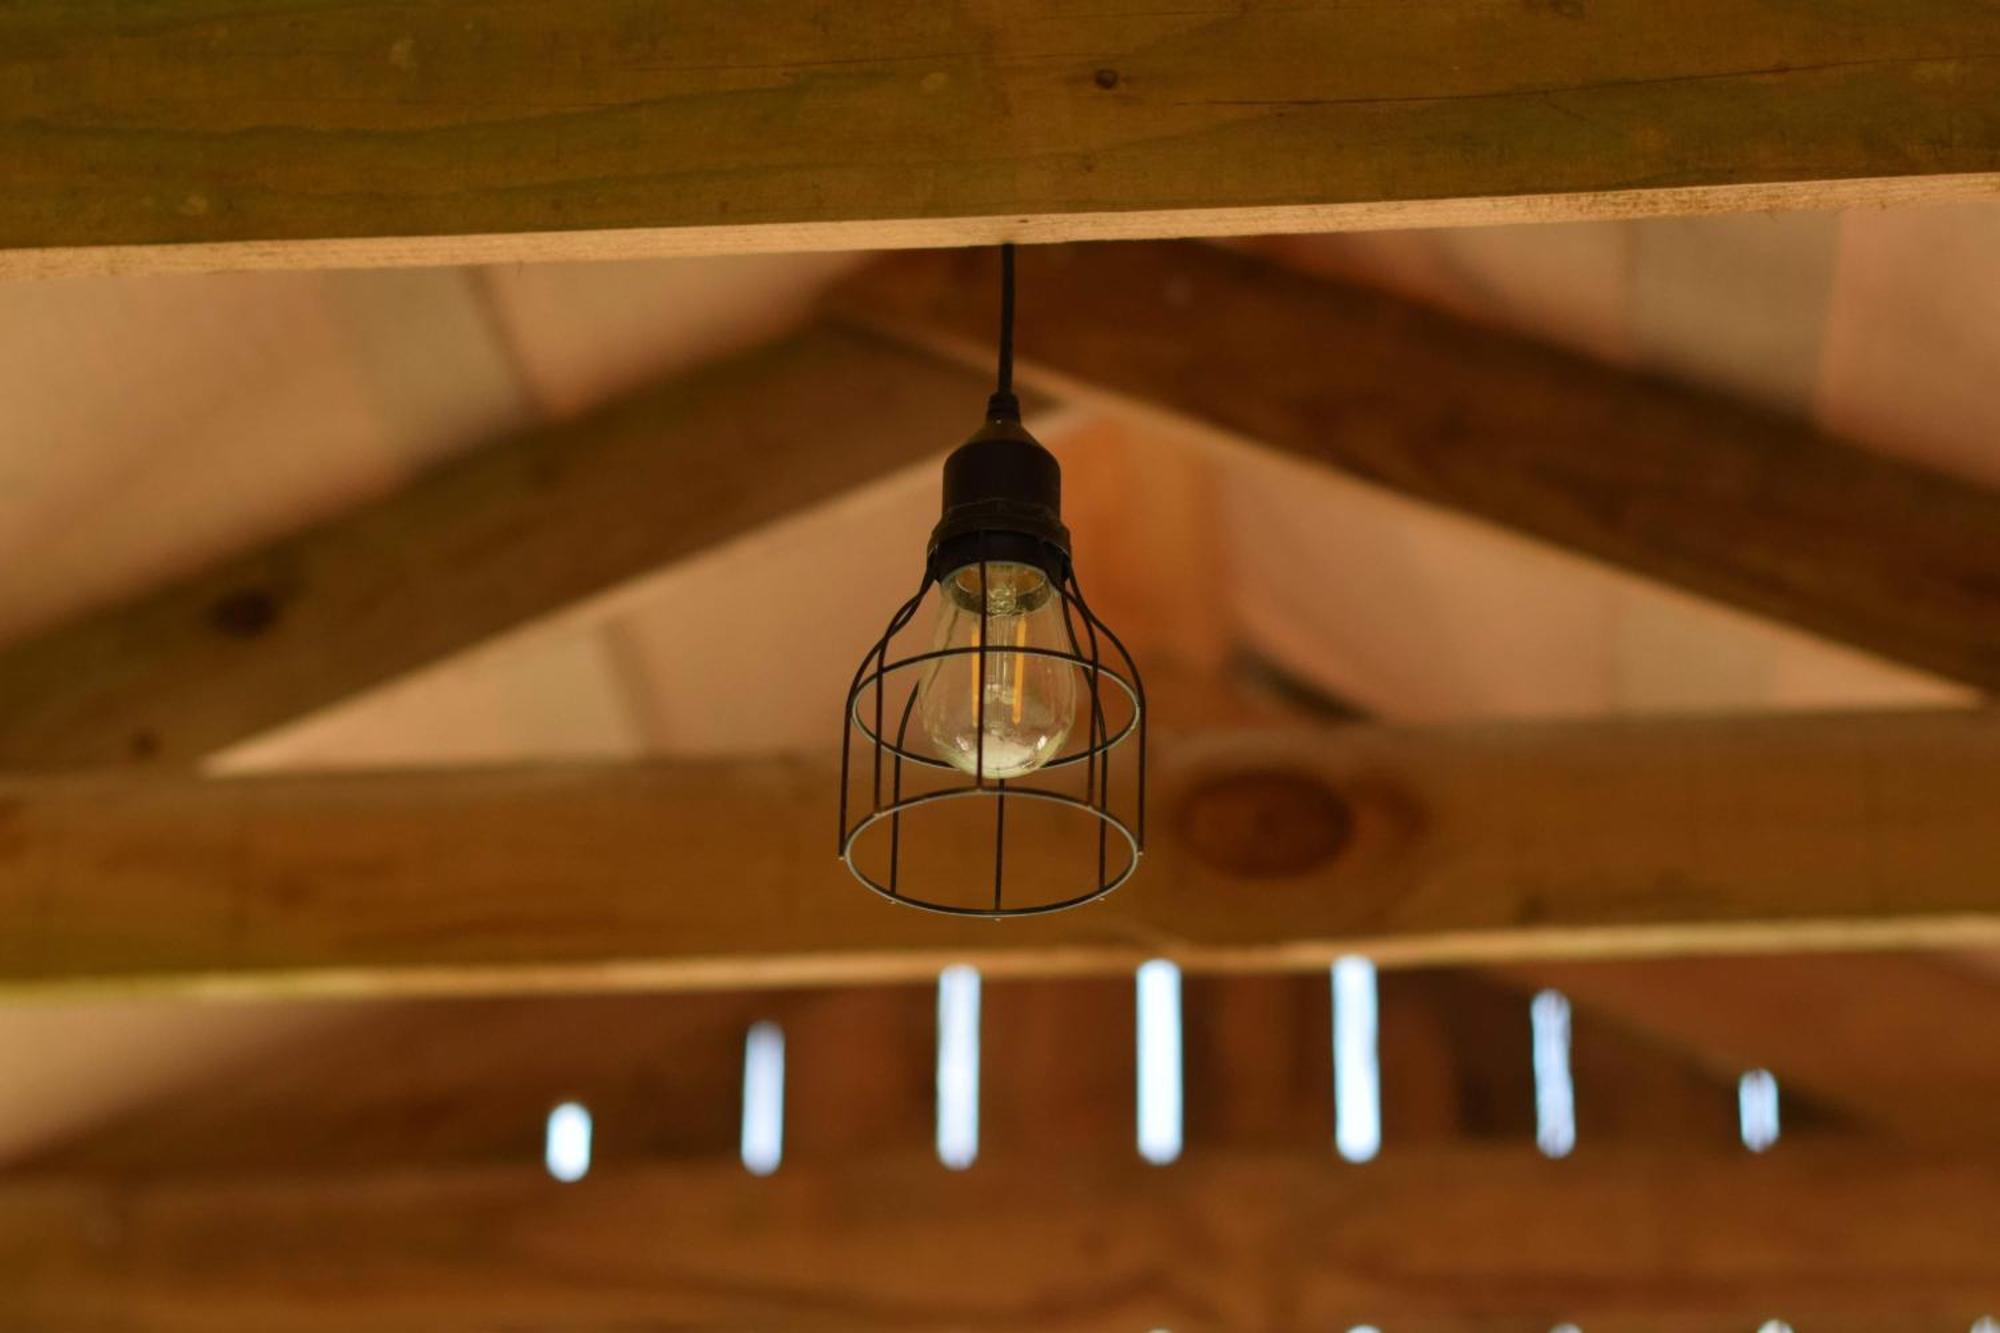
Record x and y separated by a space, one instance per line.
505 536
386 132
1463 1240
1445 845
1675 483
1908 1046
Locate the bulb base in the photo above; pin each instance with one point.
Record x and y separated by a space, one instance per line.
1002 501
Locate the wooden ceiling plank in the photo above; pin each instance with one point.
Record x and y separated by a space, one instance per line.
1461 844
1437 1240
556 521
225 135
1676 483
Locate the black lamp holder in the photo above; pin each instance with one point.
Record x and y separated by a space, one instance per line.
1002 488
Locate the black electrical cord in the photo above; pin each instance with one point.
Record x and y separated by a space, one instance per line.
1003 405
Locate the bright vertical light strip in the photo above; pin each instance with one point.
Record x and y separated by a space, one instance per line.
1774 1326
1357 1080
763 1142
1986 1323
566 1143
1555 1098
958 1067
1757 1109
1159 1061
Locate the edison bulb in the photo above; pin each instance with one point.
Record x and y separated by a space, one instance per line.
1030 699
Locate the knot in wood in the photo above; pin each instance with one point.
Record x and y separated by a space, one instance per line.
1265 824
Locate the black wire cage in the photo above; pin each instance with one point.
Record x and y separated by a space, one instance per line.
895 782
1065 827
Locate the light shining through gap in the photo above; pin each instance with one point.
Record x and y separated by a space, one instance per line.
1986 1323
566 1145
1555 1098
958 1067
1357 1083
1775 1326
1159 1061
763 1142
1757 1109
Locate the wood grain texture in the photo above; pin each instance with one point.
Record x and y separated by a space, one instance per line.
1500 1241
308 132
553 522
1469 844
1681 485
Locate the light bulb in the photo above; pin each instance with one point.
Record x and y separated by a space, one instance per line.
1030 699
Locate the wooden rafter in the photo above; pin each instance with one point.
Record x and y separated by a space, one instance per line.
1461 844
547 524
472 1080
1467 1240
1675 483
661 1074
1908 1046
321 133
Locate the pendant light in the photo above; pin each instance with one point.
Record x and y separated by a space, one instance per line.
1007 729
